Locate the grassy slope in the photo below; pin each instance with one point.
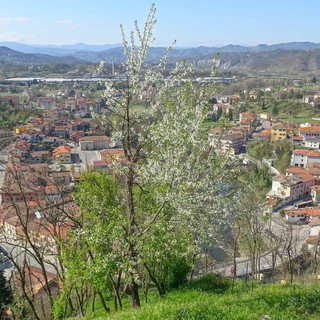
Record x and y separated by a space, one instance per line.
247 301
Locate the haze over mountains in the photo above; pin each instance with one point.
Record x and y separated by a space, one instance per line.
293 57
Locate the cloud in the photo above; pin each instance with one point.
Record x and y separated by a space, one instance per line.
7 20
21 19
10 36
70 23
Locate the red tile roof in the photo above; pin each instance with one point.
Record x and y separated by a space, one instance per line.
61 149
310 129
264 133
308 211
280 125
95 138
309 153
296 170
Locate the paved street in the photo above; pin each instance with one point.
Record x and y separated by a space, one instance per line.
85 157
279 233
17 252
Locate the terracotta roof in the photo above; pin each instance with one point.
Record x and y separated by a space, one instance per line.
264 133
308 211
313 154
248 115
306 152
94 138
297 138
306 177
100 162
35 278
312 240
280 125
109 154
310 129
296 170
61 149
314 165
271 201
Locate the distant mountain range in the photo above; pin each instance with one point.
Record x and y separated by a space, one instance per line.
295 57
57 50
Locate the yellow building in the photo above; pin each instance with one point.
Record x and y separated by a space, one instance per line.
21 129
253 95
280 131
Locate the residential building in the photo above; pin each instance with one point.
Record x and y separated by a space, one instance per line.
15 193
54 141
312 142
5 133
253 94
61 178
248 120
231 143
315 194
303 157
94 142
290 188
62 154
280 131
232 100
263 135
71 104
302 215
297 140
112 154
12 100
21 129
46 103
308 132
38 157
314 169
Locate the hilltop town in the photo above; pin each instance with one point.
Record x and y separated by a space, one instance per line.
62 161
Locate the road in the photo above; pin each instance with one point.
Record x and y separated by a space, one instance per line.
85 157
15 251
279 234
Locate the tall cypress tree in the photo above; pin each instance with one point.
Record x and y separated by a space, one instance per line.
5 295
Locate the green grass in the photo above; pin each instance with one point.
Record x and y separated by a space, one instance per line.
213 298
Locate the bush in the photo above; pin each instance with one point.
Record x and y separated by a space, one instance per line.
210 283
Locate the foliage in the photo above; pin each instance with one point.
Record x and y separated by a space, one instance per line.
282 150
210 283
258 177
247 301
11 115
88 254
5 295
153 212
259 149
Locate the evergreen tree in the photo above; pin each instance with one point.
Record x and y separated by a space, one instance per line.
5 295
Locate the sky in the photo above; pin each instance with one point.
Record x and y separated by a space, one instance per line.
189 22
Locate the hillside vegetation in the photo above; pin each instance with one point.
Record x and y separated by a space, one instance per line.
213 298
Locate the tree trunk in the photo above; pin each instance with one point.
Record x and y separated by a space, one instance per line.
116 288
103 302
161 291
93 302
132 290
